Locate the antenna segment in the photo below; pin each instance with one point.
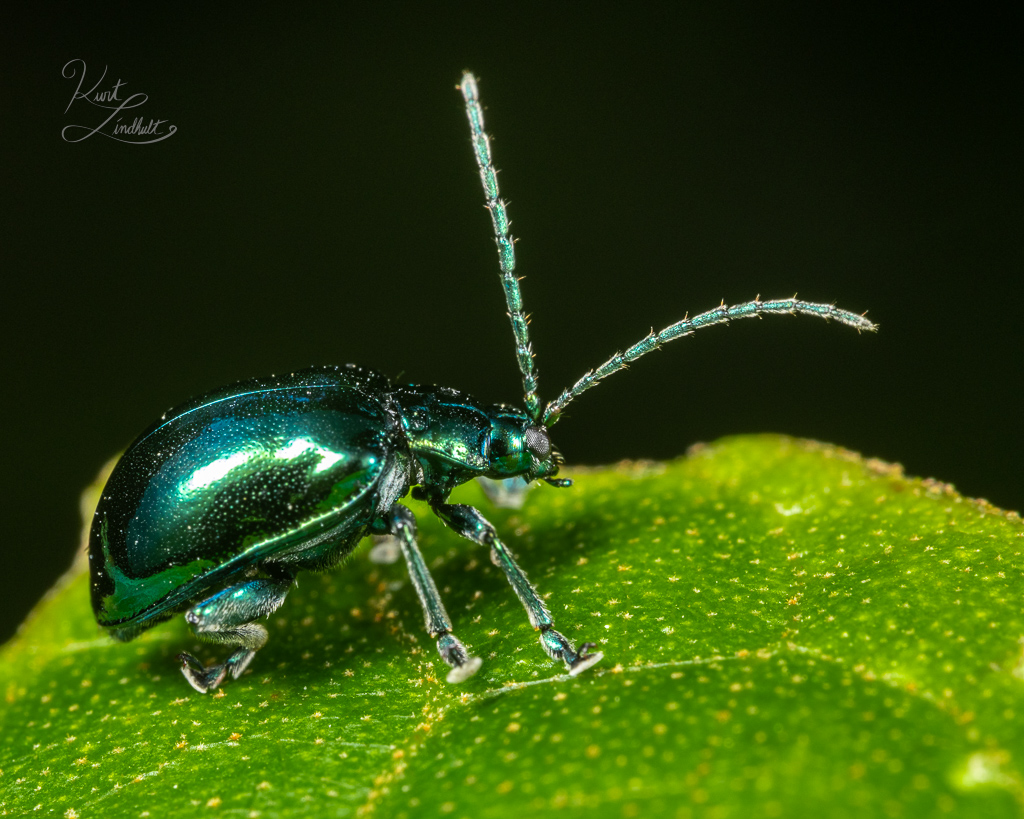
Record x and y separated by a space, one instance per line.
720 315
503 238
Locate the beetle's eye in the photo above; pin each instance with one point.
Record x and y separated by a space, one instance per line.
538 442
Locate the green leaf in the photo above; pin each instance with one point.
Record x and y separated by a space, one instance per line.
787 629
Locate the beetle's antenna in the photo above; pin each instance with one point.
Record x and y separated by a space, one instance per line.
506 250
686 327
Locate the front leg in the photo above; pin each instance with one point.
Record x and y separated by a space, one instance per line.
469 523
401 524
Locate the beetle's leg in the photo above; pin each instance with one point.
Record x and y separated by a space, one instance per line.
227 618
469 523
401 523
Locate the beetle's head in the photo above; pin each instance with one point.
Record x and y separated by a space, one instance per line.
520 447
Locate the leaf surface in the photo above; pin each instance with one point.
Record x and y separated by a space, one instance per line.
787 629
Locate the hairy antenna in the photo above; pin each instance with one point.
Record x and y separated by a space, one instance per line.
503 238
686 327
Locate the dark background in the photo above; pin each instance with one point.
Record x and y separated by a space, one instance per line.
319 204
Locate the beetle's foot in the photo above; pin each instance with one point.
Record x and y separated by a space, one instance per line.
454 653
202 678
206 678
584 660
559 648
461 673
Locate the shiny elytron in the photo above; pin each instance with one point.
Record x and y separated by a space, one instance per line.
216 508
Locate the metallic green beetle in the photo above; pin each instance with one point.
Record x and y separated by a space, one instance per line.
218 505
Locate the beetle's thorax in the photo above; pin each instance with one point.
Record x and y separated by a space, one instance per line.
454 437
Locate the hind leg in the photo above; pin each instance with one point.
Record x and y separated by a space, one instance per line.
226 618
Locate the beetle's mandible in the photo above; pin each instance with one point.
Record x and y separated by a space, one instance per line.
218 505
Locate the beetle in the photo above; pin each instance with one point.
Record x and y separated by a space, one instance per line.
215 508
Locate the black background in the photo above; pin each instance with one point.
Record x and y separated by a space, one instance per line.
319 204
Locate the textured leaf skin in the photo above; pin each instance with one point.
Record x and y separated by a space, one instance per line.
788 630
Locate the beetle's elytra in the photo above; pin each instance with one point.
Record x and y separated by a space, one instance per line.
217 506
